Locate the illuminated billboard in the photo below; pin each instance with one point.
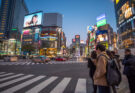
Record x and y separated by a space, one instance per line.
117 1
73 40
102 37
90 28
125 12
77 36
101 20
34 19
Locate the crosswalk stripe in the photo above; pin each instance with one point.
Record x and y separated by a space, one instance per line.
11 77
81 86
6 74
2 72
14 81
42 85
61 86
28 63
20 86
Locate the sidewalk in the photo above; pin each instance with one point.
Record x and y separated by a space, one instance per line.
123 87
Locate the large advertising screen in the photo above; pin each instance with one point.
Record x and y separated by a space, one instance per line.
102 38
125 12
33 19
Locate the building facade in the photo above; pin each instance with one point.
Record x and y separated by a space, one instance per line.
11 24
53 19
125 17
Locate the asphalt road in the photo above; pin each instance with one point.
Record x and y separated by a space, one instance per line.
53 77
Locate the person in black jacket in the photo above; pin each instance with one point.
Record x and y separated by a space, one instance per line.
129 69
92 67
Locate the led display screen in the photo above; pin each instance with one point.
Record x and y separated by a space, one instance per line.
33 19
125 12
102 37
101 20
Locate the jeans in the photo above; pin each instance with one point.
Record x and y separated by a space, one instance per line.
104 89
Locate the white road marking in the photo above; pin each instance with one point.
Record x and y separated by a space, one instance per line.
61 86
22 85
11 77
42 85
2 72
14 81
6 74
81 86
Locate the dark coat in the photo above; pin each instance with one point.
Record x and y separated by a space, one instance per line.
127 65
92 67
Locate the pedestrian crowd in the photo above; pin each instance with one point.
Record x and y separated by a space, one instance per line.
105 66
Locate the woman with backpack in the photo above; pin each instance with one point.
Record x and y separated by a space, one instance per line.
92 68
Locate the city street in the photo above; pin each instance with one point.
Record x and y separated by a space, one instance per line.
53 77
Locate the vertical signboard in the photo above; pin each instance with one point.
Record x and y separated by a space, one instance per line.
101 20
37 31
77 39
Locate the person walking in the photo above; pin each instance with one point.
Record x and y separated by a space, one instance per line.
129 69
100 74
92 68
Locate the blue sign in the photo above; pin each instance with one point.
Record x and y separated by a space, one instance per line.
36 37
102 17
101 32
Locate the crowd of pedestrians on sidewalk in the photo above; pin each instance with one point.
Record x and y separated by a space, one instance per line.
105 68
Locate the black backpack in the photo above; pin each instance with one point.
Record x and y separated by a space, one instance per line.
113 74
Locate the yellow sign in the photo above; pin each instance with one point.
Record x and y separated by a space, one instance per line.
42 52
1 33
117 1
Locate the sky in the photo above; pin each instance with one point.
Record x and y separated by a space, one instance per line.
77 14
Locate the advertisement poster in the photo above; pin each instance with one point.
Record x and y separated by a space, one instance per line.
102 38
33 19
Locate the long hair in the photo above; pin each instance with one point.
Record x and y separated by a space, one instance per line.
31 22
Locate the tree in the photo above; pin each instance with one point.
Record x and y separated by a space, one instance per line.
28 48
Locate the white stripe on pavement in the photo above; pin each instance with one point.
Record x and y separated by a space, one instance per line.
14 81
20 86
28 63
61 86
6 74
42 85
81 86
11 77
2 72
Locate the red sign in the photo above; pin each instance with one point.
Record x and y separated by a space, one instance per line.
77 36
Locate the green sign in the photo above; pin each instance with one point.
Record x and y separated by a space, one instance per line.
14 29
101 23
91 39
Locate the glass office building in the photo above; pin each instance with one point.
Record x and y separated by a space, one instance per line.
12 14
125 17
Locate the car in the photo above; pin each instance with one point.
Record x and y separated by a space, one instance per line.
60 59
41 59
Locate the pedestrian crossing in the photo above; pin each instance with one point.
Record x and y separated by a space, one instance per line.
13 83
32 63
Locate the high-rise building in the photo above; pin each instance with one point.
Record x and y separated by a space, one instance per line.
53 39
52 19
125 17
11 24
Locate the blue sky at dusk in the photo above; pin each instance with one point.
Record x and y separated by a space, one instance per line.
77 14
